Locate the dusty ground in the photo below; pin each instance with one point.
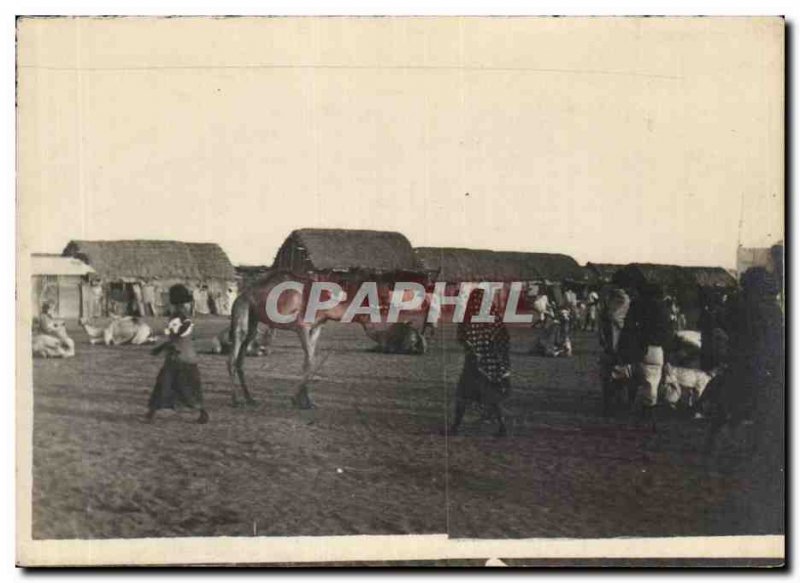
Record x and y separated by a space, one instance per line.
373 458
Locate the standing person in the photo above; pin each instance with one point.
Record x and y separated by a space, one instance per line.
178 382
647 331
591 311
96 289
200 299
486 376
149 299
571 304
138 301
613 311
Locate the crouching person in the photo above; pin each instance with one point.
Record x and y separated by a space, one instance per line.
486 376
178 381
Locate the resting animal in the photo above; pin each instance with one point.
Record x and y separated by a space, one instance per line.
125 330
398 338
47 346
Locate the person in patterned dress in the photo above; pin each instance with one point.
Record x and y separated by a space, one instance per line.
486 376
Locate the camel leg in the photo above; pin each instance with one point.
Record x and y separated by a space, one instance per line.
242 331
251 334
308 340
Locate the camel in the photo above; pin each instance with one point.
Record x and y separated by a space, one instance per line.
397 338
249 309
121 330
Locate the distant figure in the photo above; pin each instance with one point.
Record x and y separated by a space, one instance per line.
571 304
178 382
486 376
592 304
149 299
138 301
612 312
542 308
96 305
200 299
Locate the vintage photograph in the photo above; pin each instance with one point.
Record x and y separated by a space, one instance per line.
490 279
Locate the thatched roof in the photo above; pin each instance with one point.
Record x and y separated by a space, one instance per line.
555 266
47 264
143 259
346 250
454 264
712 277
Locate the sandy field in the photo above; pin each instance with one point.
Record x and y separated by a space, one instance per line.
374 456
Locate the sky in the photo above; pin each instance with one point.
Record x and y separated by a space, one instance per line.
612 140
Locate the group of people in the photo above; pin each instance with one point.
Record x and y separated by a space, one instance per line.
740 346
741 349
558 315
148 297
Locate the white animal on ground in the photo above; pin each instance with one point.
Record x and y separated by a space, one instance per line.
125 330
684 385
47 346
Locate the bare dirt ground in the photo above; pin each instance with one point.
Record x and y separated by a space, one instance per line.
373 458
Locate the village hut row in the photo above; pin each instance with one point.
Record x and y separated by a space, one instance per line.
125 277
96 278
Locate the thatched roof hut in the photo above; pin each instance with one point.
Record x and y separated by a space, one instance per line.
145 260
346 251
453 265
